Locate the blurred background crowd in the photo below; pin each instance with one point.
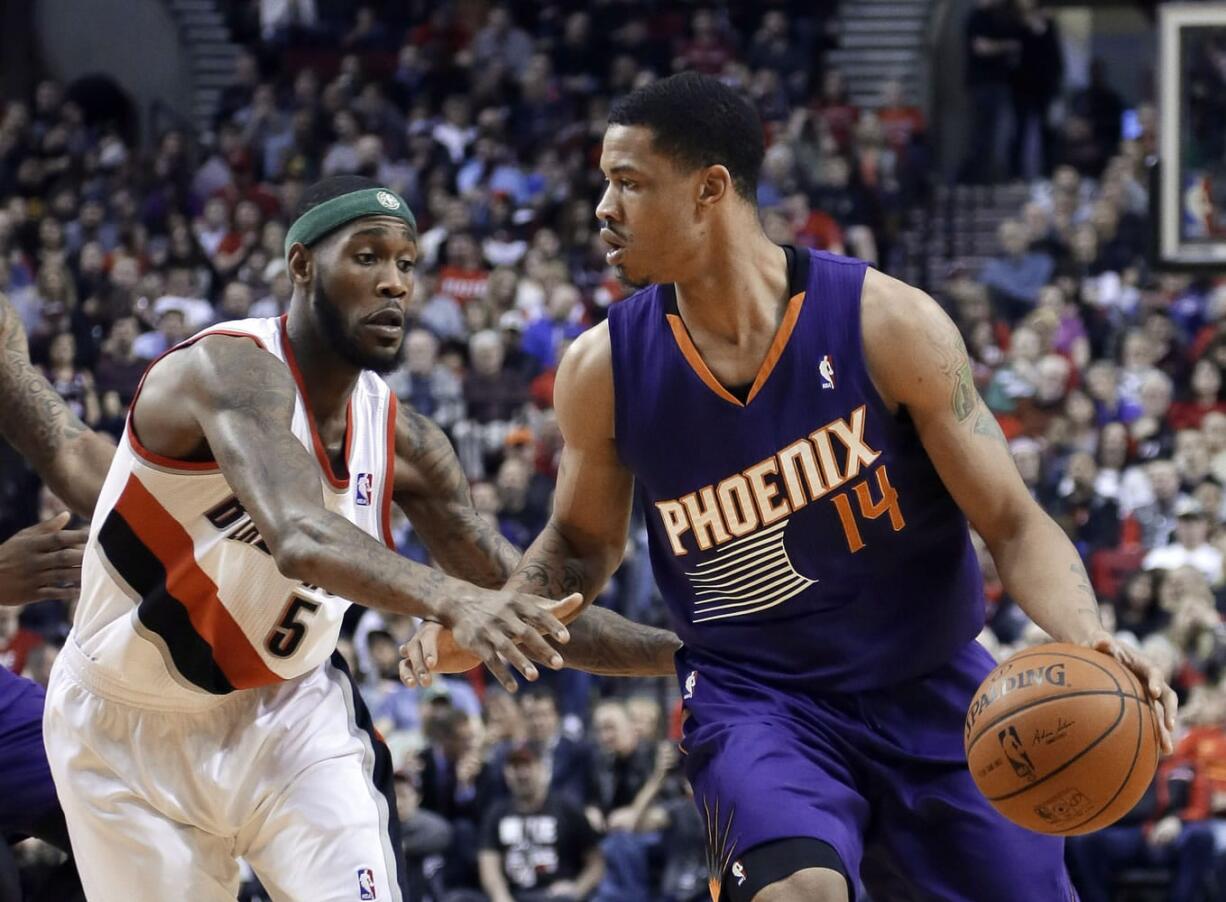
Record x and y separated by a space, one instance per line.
1104 372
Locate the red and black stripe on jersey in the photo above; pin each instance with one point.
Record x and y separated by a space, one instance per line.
153 553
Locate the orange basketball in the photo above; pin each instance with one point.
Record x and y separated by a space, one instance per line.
1062 739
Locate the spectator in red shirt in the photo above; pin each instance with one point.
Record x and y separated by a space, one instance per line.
1167 828
241 240
464 276
814 228
1204 397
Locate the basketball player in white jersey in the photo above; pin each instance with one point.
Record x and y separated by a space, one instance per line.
73 461
198 713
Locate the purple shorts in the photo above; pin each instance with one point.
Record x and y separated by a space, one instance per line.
27 794
881 776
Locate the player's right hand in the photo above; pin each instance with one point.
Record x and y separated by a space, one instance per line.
42 562
500 629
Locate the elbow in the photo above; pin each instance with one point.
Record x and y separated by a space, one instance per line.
1013 525
296 546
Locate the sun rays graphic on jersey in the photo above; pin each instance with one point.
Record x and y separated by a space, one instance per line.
721 846
742 520
749 575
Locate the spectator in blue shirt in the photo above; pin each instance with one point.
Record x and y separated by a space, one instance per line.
1016 276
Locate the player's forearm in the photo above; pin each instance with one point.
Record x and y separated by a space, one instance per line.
606 643
33 417
463 544
326 550
601 641
553 567
1043 573
76 474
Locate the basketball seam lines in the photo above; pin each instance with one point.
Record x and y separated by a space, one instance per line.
983 729
1136 753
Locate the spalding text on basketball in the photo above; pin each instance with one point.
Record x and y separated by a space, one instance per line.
1052 674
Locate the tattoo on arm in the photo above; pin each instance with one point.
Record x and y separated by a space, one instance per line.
33 417
606 643
460 540
246 422
550 568
964 399
473 550
601 641
986 424
1088 603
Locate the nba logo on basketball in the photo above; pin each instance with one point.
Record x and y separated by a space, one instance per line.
826 370
363 488
366 884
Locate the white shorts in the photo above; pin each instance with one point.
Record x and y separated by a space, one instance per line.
160 803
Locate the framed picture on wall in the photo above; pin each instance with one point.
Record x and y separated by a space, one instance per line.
1191 197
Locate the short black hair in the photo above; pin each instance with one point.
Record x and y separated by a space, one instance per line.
333 186
699 121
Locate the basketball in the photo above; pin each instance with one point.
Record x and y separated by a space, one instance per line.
1062 739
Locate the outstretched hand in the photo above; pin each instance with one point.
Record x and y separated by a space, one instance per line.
435 649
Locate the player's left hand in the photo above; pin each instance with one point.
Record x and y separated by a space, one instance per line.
42 562
1162 696
431 650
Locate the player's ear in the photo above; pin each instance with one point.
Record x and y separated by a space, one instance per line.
301 264
715 184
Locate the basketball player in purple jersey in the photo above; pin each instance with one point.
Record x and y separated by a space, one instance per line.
808 445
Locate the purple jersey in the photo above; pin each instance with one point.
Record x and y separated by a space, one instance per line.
801 538
27 794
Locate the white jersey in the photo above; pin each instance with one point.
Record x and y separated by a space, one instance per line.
180 598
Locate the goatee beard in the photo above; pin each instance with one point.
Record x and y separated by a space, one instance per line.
333 328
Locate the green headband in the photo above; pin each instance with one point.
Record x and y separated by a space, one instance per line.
318 221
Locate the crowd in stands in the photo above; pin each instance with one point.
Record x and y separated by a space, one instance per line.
1105 374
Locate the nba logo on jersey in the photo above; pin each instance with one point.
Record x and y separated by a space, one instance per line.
366 884
362 491
826 370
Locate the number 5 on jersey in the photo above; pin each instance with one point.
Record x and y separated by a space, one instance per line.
869 509
288 634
